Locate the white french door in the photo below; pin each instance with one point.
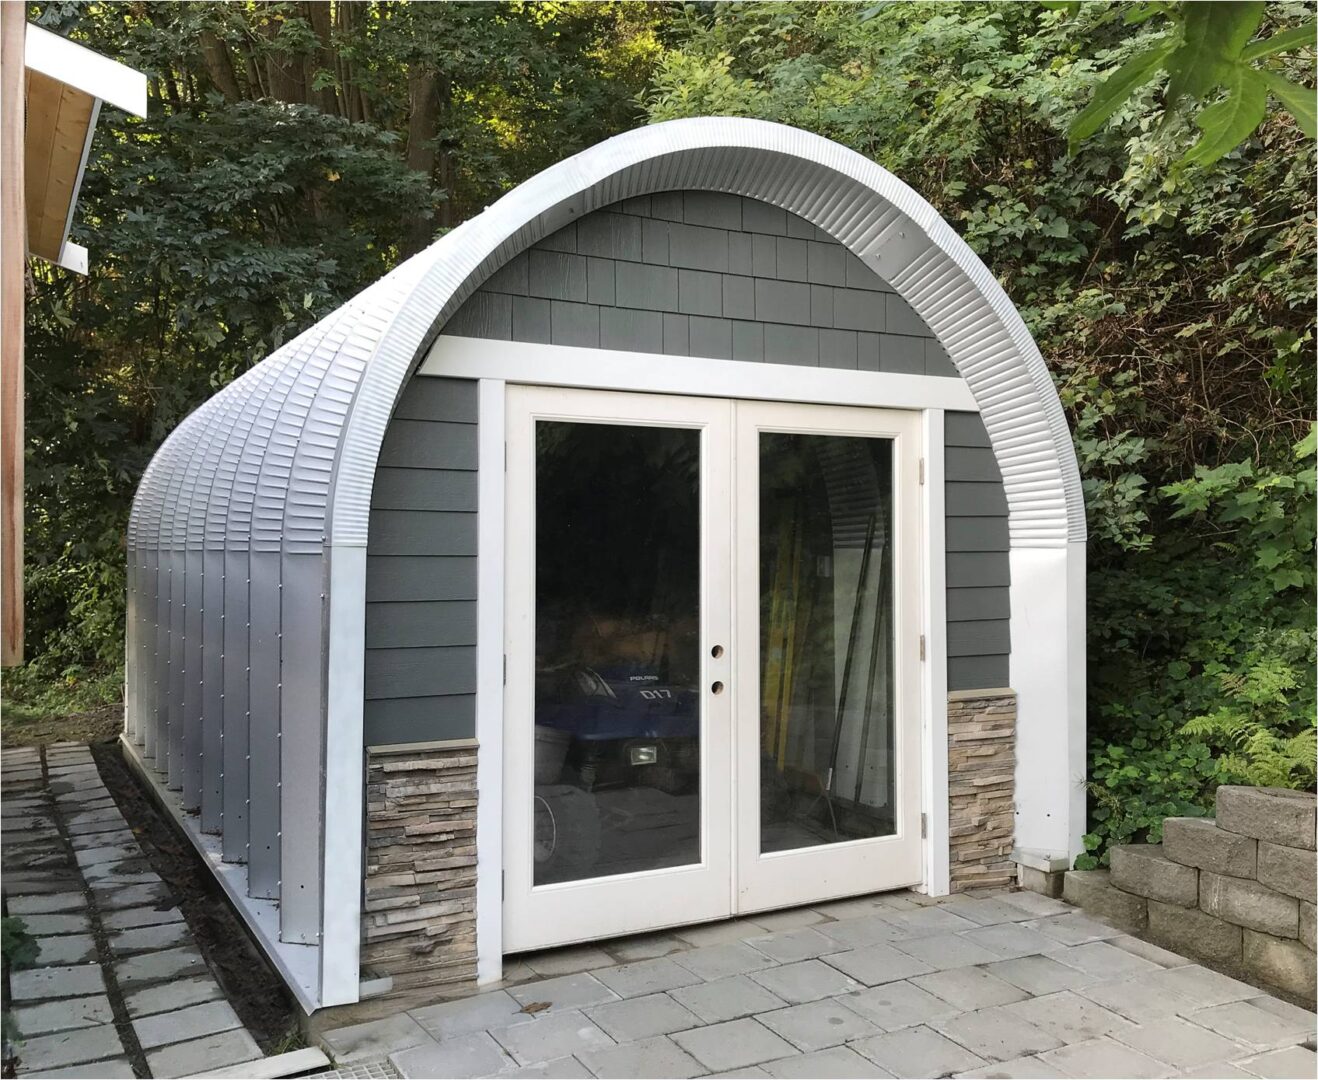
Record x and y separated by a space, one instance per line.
711 699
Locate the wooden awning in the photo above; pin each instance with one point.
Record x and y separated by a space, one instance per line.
66 84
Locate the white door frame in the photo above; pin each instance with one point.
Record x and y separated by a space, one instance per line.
495 363
848 868
583 910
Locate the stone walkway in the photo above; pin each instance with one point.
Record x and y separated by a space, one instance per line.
120 988
1009 984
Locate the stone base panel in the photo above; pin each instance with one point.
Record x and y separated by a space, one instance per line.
419 925
981 788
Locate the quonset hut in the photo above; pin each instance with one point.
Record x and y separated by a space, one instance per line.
694 532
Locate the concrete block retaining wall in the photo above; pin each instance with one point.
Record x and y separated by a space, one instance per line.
1237 890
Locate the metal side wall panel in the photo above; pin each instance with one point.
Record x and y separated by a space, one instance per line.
237 714
212 693
301 748
263 735
194 601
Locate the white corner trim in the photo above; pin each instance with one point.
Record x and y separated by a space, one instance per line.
611 369
73 257
83 69
935 758
342 843
489 681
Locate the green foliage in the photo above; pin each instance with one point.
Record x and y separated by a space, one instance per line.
1175 306
18 950
1205 51
1173 300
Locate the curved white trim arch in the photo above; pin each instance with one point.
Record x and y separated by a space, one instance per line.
290 451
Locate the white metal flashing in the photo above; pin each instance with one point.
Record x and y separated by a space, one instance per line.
611 369
85 70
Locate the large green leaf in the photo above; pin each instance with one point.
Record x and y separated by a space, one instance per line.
1295 38
1299 101
1212 36
1229 122
1113 91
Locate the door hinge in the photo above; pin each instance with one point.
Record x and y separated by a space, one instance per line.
921 646
503 878
922 472
505 669
924 826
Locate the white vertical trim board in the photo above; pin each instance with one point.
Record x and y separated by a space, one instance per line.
937 871
343 842
1048 674
489 679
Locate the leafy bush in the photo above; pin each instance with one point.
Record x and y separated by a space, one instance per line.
1203 652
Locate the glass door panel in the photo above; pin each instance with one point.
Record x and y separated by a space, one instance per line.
826 640
617 611
828 684
617 649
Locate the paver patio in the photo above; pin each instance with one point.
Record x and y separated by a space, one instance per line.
119 982
1008 984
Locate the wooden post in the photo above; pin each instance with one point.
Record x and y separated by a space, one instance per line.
13 260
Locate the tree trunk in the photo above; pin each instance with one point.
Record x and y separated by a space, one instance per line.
322 61
284 72
219 66
422 127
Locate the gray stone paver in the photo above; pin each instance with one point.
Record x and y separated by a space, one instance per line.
74 872
658 1057
970 988
462 1055
551 1035
63 1015
733 1045
897 1005
987 986
817 1025
918 1051
996 1035
177 994
565 992
837 1061
203 1055
194 1022
642 1017
727 999
1103 1058
1181 1043
1298 1062
47 1052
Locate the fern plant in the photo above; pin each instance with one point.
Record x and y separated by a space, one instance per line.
1268 740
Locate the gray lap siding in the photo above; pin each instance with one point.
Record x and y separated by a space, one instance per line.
679 273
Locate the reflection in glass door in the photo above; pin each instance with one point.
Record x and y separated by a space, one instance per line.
617 617
828 671
826 640
617 649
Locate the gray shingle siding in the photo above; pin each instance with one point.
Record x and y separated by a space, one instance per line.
677 273
978 573
421 569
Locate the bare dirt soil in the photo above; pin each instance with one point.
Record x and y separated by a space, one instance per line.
255 991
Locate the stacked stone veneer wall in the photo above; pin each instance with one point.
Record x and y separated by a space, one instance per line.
1238 890
981 787
420 919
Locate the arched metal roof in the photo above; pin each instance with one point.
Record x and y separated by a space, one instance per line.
276 472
